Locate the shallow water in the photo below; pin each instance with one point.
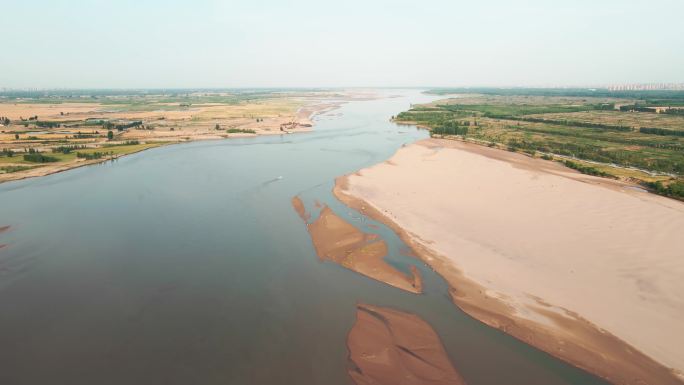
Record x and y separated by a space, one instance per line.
187 265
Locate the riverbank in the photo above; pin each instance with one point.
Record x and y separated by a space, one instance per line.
584 268
299 122
594 135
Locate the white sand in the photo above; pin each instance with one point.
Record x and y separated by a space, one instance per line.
525 227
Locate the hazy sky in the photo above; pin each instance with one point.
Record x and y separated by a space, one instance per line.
308 43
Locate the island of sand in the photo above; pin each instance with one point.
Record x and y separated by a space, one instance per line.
387 346
587 269
338 241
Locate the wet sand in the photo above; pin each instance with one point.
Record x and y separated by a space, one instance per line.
390 347
300 209
340 242
2 245
584 268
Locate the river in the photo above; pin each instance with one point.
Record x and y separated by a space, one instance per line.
186 264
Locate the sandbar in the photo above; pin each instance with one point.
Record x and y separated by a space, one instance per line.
339 241
387 346
584 268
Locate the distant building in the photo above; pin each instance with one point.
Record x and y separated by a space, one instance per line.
647 87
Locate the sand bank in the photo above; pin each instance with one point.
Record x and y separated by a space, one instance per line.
390 347
300 209
338 241
585 268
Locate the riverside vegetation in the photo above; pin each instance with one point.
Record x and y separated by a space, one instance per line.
635 135
42 132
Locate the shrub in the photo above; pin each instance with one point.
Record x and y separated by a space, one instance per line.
586 169
674 189
37 157
11 169
240 130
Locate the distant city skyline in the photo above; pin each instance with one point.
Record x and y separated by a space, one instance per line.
611 87
305 43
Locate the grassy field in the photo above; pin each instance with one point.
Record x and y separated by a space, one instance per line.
17 163
617 118
590 132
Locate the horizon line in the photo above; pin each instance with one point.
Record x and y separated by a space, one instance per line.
676 86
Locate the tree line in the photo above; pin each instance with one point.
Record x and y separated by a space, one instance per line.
92 155
451 128
572 123
674 189
586 169
121 127
661 131
67 149
37 157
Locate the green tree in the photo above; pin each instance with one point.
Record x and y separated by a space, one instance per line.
16 136
110 135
